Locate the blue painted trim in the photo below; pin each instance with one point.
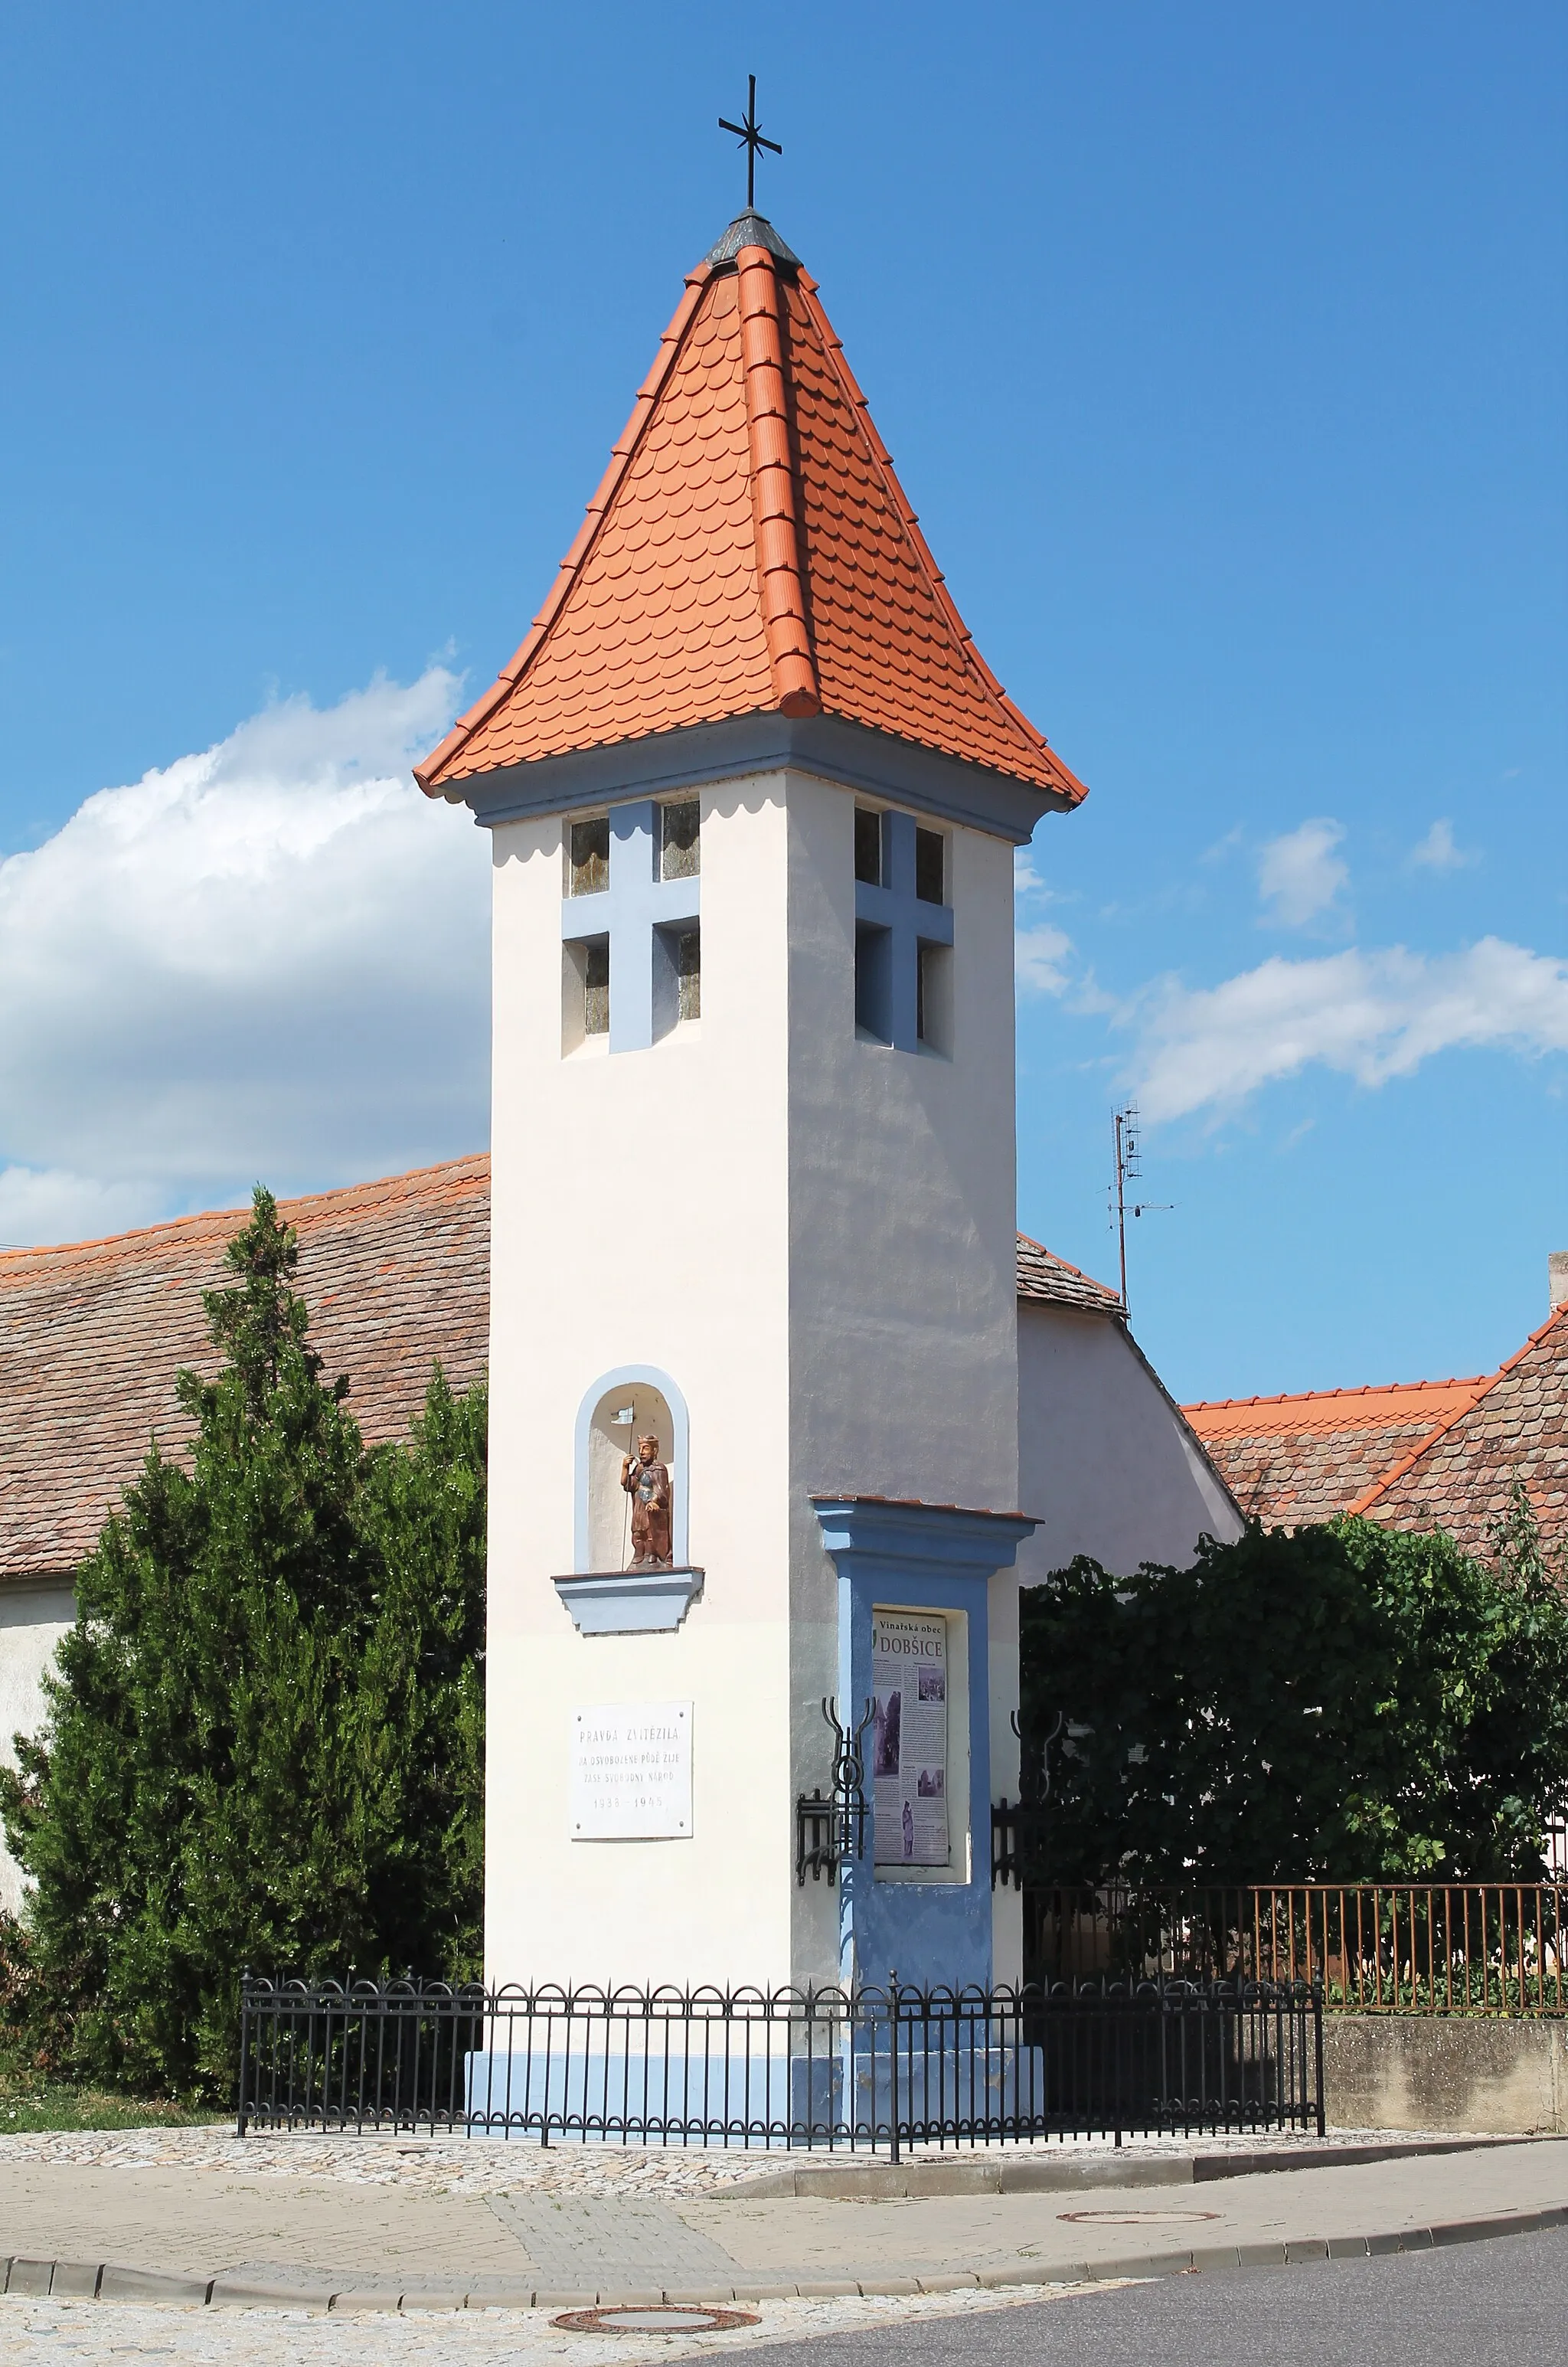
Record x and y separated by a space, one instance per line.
635 907
922 1557
852 754
629 1601
893 905
909 1536
619 1377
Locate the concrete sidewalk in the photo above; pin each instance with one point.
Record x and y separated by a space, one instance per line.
236 2231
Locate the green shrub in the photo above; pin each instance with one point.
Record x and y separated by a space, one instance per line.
1344 1703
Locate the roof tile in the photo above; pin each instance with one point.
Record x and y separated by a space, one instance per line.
396 1275
1419 1456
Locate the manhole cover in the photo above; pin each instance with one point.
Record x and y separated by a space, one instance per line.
672 2317
1136 2218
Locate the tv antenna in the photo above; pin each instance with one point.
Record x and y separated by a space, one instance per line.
1127 1135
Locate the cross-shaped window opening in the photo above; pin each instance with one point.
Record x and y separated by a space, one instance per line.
689 975
588 857
868 846
679 840
903 933
630 931
596 988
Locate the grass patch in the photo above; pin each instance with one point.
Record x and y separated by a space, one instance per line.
24 2108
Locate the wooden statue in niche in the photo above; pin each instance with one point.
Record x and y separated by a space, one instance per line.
647 1481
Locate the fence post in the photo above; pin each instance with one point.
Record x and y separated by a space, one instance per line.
892 2062
244 2044
1317 2051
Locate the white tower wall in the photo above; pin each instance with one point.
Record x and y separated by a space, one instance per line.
812 1235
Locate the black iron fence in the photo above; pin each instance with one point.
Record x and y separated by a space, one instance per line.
1438 1948
863 2069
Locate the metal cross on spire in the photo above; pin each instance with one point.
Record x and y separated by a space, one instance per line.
751 139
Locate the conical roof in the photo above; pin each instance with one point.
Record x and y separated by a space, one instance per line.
748 552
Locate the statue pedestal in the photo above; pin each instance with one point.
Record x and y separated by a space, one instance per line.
629 1601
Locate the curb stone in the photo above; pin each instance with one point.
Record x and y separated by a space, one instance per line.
1040 2174
257 2293
150 2284
34 2279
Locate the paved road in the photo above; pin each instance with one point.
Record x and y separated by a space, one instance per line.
1496 2304
1493 2305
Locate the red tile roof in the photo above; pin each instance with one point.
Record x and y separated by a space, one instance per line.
749 550
1291 1459
1515 1428
1421 1454
395 1274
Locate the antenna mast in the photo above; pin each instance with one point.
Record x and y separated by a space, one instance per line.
1129 1167
1127 1134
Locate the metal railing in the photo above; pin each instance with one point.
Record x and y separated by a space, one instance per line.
1435 1948
863 2069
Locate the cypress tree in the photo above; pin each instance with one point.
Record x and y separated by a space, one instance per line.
264 1744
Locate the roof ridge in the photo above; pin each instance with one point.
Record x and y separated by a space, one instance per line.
622 453
1363 1389
196 1216
882 458
1398 1470
775 495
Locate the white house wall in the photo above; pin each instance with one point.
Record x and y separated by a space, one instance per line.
32 1621
1106 1464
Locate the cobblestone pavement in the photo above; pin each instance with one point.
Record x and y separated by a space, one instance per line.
35 2333
482 2165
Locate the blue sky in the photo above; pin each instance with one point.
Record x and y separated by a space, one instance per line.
1221 351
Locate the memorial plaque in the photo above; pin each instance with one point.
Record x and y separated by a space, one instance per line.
631 1772
908 1740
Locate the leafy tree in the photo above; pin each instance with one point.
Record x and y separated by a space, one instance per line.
263 1743
1347 1702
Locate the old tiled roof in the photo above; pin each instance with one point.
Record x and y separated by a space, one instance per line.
749 550
1434 1454
1515 1428
395 1274
1042 1274
1292 1459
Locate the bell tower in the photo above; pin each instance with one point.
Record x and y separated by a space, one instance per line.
754 799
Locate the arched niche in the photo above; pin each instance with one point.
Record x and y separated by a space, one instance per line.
602 1527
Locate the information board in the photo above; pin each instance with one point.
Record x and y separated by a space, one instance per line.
631 1772
909 1737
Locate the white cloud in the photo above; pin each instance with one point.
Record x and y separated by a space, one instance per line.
270 959
1437 851
1370 1015
1038 954
1300 874
1040 948
52 1205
